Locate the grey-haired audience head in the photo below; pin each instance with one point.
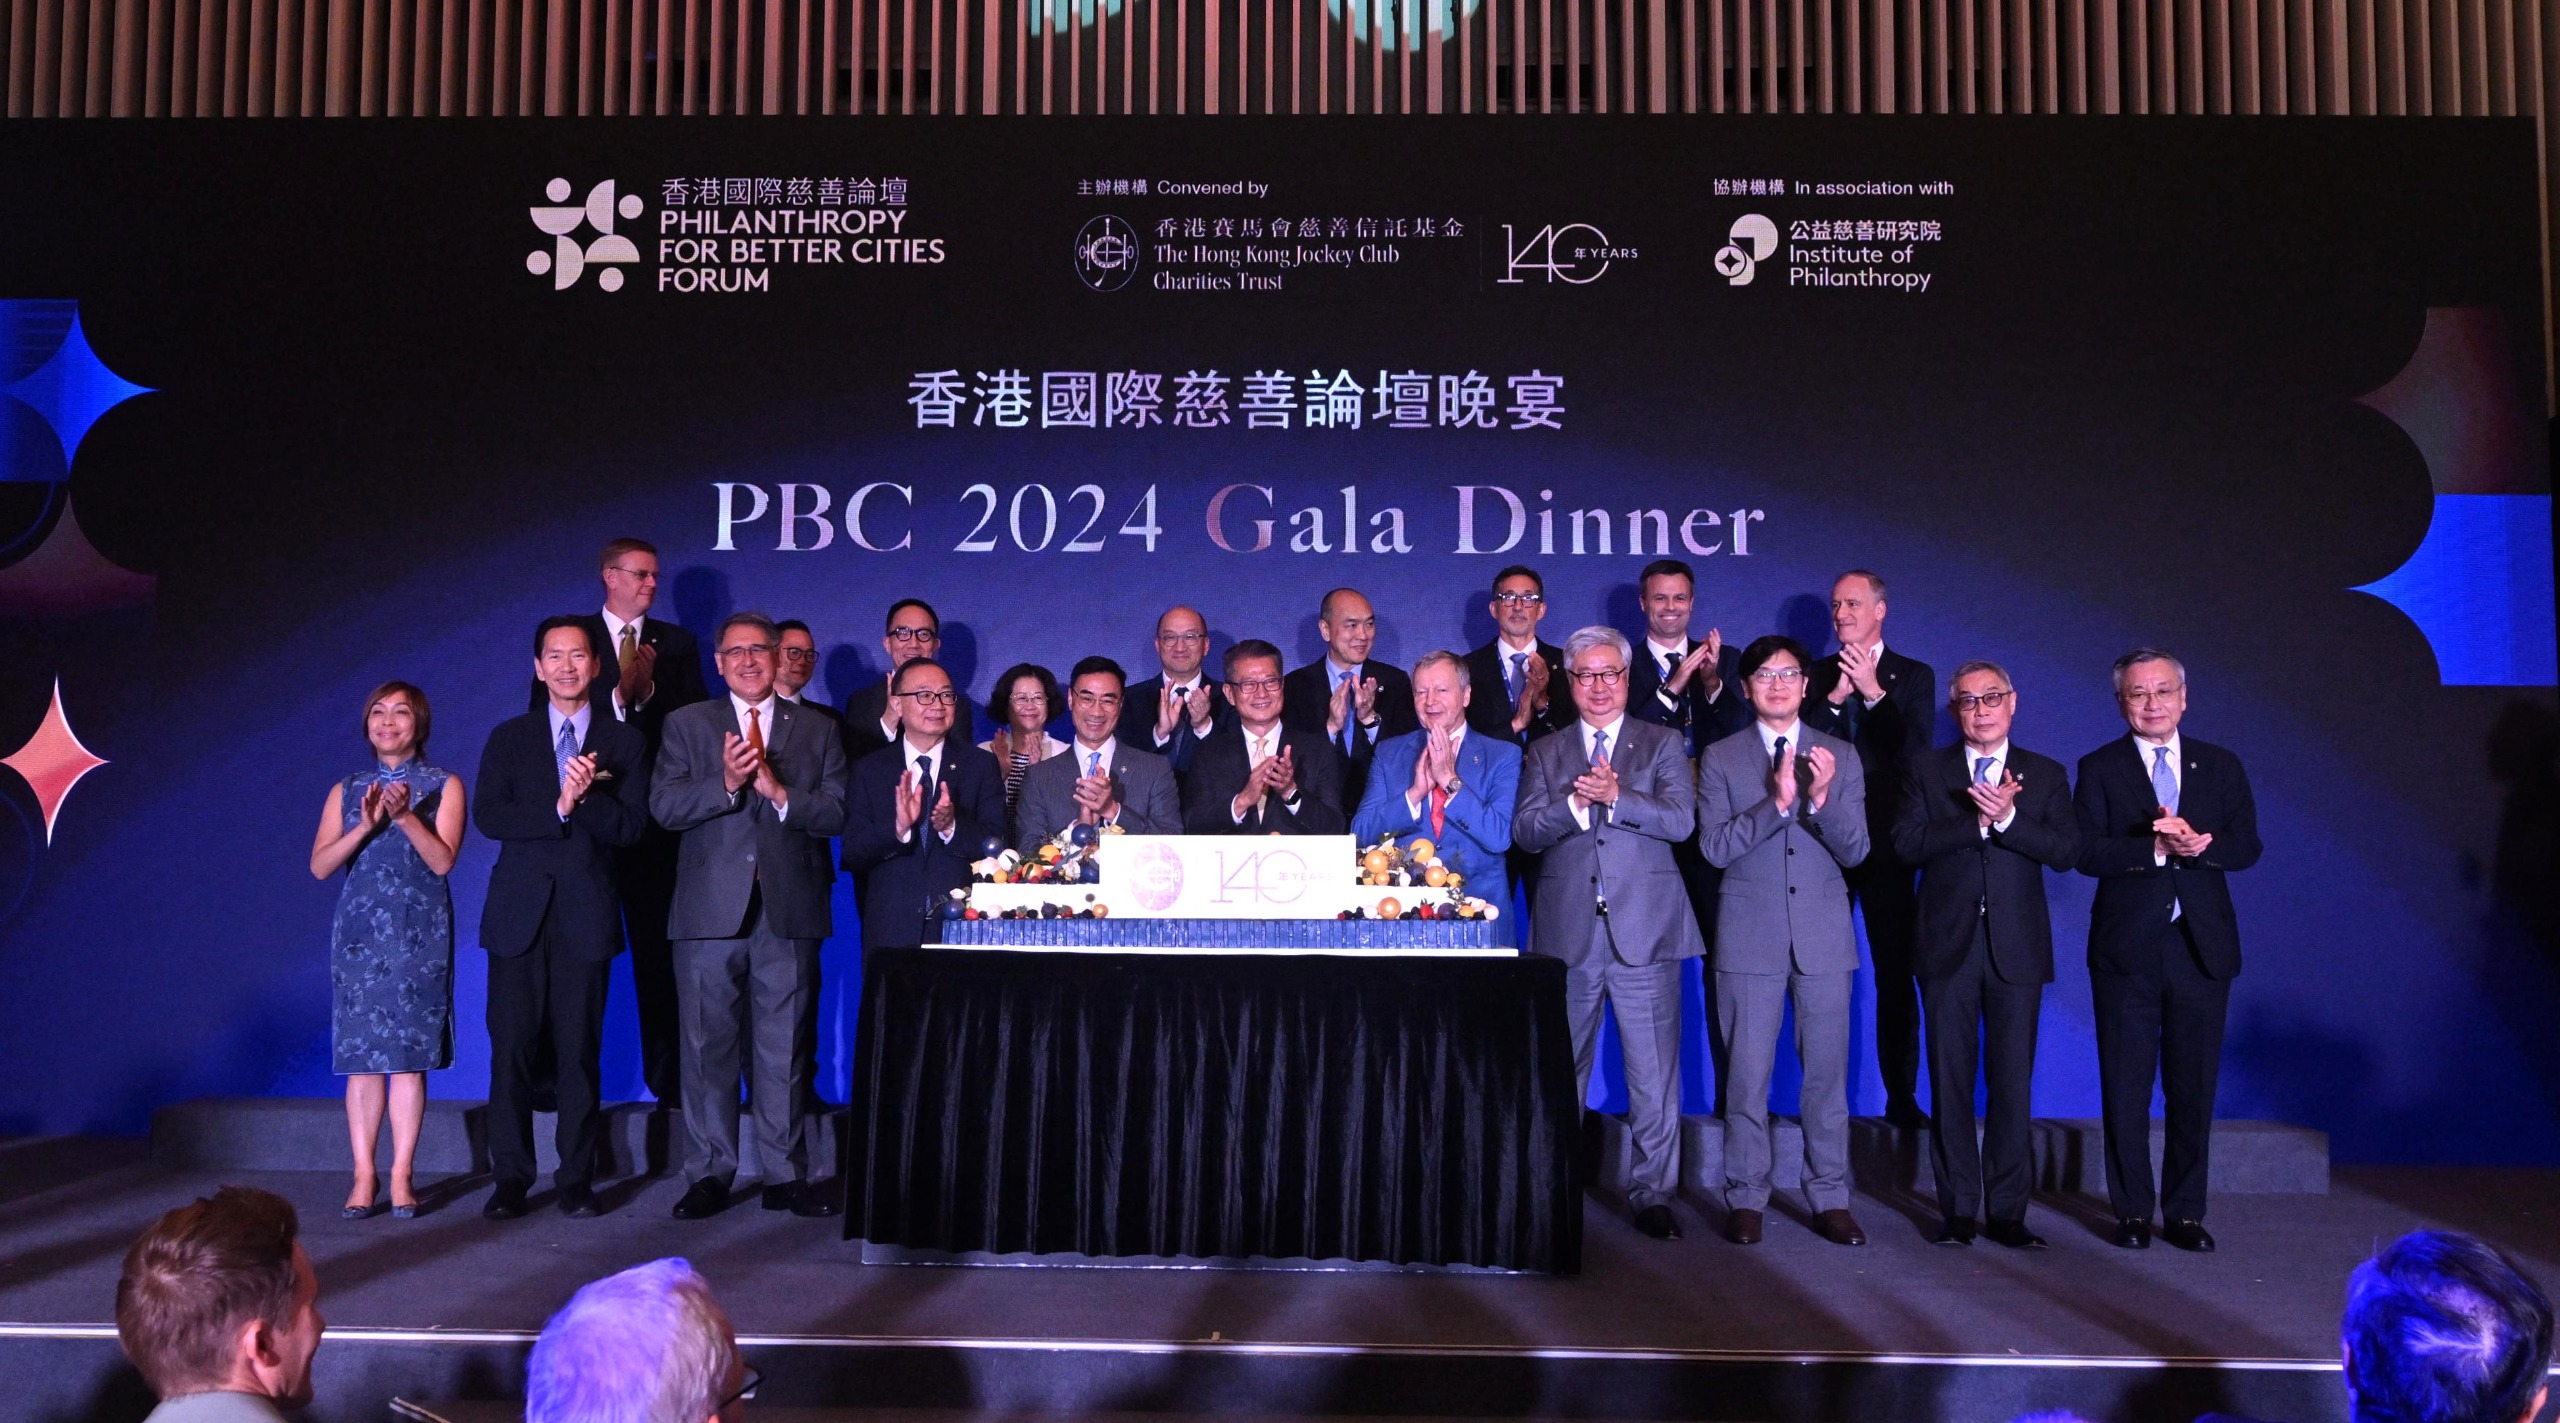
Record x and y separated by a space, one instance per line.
649 1345
2443 1328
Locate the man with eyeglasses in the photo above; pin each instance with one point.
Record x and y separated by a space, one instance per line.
1256 776
1172 712
2164 819
1604 804
1782 811
1445 785
919 812
1101 780
1885 704
748 780
1529 670
913 629
799 664
1351 701
645 669
1984 820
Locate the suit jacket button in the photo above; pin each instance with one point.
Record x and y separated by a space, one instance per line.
1791 849
1791 889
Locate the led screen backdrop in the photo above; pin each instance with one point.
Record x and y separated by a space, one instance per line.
293 409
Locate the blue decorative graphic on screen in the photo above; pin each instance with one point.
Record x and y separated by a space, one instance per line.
47 368
2480 587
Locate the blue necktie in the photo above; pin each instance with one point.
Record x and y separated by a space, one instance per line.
566 749
1350 712
1599 758
1519 678
2164 781
924 782
1982 770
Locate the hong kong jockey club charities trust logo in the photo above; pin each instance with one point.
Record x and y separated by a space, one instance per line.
1155 876
1107 253
569 258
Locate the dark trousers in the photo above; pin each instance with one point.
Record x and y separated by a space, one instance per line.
1889 902
544 994
645 874
2164 1021
1981 1021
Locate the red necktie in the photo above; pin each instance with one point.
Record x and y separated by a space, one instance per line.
755 732
1439 812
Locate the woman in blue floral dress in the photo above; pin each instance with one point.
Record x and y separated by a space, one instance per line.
395 827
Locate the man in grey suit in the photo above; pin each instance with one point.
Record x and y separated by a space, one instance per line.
1102 780
753 785
1782 811
1604 802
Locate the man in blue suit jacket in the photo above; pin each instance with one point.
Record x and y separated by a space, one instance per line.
1441 783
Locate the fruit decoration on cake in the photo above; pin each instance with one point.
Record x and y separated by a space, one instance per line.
1430 888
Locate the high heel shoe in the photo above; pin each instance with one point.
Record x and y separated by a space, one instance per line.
407 1212
369 1209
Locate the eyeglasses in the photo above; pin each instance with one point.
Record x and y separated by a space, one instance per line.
1519 600
914 635
1105 699
746 649
1993 700
1182 639
1777 676
746 1391
1598 677
939 697
2146 698
1256 684
799 654
640 575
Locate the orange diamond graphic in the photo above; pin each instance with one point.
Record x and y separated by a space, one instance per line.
52 761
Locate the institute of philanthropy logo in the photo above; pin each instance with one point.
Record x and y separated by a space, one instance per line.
1748 245
1106 253
568 259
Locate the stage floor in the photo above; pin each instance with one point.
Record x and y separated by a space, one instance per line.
2270 1297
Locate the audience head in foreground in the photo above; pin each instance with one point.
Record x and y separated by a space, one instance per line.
649 1345
2443 1328
217 1297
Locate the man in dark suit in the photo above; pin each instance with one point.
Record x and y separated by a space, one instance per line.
1255 776
645 668
919 813
1529 671
1604 803
1172 712
798 666
1690 686
1983 820
870 720
1885 704
1101 780
561 790
1346 698
754 785
2163 820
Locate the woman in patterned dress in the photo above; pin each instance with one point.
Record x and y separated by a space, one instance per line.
395 827
1025 698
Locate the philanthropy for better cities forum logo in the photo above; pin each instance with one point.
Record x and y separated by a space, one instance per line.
569 258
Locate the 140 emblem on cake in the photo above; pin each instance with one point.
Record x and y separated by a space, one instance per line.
1205 877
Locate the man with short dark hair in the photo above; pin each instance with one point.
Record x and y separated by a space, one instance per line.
1680 682
920 812
2443 1328
1345 697
1528 669
1255 775
219 1309
1172 712
798 666
560 790
749 781
1885 704
1101 780
913 629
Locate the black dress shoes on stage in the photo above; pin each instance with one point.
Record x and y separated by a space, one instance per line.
2014 1234
504 1203
1905 1115
1952 1231
799 1198
1743 1227
1656 1221
2188 1235
702 1200
2133 1234
579 1203
1839 1227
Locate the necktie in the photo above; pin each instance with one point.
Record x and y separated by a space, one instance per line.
1519 676
924 782
1439 812
630 641
1982 770
566 749
1599 758
1777 753
2164 781
1261 753
1093 763
755 731
1350 711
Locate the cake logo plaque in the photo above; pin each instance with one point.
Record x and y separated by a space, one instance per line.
1155 876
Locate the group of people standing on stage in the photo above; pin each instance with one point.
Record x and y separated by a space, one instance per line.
1708 801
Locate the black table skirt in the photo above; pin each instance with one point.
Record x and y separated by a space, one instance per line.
1405 1110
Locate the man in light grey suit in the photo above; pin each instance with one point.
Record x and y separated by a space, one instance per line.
1604 802
1782 811
1101 780
753 785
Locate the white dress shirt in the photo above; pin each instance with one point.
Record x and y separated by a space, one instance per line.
2177 777
1590 736
1258 748
933 761
764 728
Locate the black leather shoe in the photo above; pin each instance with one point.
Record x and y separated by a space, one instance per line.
579 1203
2133 1234
1953 1231
1656 1221
1743 1226
2188 1235
1906 1114
1839 1227
703 1200
799 1198
504 1203
2014 1234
